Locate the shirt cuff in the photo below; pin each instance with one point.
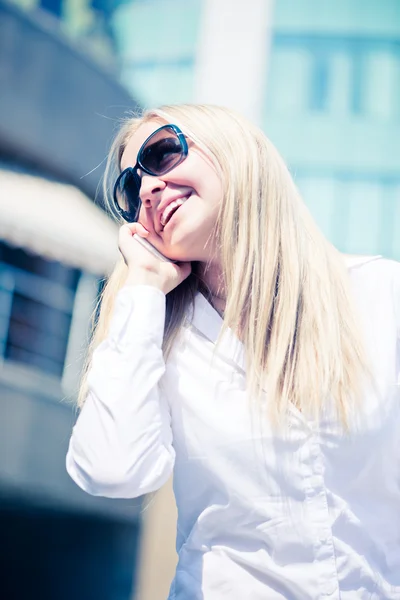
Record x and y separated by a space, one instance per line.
139 314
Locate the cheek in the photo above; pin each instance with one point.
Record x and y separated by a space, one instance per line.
216 188
195 227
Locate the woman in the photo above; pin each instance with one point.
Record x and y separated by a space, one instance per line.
258 366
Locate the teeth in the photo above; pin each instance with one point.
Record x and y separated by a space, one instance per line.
169 209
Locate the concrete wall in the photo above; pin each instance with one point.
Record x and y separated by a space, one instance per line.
58 109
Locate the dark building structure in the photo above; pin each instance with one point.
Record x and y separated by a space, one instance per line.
58 110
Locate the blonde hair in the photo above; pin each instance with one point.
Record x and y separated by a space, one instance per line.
287 287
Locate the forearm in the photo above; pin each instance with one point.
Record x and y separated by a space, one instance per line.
121 445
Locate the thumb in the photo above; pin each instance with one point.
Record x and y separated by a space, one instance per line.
185 269
181 271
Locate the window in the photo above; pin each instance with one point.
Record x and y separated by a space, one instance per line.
334 74
36 304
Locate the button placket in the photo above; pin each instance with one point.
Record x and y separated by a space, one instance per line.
318 510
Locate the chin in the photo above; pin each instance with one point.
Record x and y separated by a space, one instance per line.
187 242
180 254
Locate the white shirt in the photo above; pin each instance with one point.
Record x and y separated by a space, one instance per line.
311 515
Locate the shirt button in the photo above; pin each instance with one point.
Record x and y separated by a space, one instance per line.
329 588
323 538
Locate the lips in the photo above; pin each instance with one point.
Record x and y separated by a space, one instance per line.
170 209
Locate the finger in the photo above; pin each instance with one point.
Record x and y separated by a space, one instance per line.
138 228
125 233
183 269
128 230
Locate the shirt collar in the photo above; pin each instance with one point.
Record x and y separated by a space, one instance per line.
209 323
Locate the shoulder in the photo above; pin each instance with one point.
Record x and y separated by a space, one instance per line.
376 280
372 270
374 265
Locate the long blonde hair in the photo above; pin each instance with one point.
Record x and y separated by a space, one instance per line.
287 286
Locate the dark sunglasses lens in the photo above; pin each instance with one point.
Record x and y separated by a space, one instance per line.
127 194
162 153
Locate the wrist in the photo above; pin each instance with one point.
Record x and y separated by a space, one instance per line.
144 278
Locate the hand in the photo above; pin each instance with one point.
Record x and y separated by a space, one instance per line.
143 267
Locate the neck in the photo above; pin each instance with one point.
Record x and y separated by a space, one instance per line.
211 277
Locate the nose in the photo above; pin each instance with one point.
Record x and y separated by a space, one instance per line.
150 190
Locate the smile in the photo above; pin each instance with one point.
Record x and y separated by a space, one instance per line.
171 209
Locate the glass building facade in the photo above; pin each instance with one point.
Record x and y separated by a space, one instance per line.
157 42
333 109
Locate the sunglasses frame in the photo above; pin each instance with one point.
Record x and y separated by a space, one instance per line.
134 170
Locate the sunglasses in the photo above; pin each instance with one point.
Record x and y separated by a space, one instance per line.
163 150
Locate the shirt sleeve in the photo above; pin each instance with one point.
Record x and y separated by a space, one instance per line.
121 445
